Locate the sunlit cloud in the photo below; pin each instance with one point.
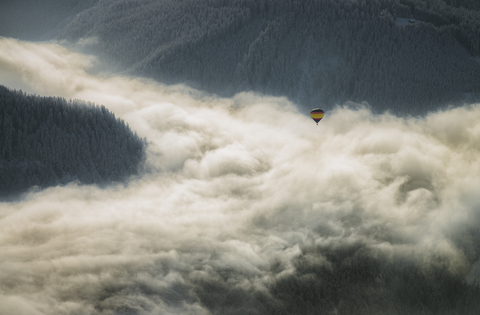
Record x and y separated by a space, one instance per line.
233 187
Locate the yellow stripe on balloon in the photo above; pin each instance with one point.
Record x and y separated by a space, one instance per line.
317 115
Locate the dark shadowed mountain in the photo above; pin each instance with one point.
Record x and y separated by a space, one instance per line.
46 141
346 279
315 52
406 56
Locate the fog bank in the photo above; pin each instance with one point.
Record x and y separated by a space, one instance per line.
242 200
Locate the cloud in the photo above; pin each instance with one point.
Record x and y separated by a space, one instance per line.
243 198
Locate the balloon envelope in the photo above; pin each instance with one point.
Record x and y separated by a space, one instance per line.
317 114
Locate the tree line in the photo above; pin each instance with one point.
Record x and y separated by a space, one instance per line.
316 52
47 141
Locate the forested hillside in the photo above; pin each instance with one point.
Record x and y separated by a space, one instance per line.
313 51
354 281
46 141
407 56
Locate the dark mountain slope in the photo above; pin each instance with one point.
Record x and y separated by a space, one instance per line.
346 279
315 52
46 141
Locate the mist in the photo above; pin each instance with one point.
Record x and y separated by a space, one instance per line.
238 196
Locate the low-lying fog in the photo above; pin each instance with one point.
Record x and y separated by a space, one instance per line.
235 190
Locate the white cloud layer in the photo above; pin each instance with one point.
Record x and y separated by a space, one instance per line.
234 185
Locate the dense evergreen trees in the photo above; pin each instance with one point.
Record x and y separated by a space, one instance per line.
313 51
316 52
347 278
47 140
353 279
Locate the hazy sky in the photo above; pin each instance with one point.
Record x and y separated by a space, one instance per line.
233 186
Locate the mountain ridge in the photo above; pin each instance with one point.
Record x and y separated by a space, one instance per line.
46 141
315 52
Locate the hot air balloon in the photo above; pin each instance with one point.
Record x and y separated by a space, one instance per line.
317 114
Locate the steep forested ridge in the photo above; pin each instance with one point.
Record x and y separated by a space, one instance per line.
356 280
360 281
47 140
313 51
